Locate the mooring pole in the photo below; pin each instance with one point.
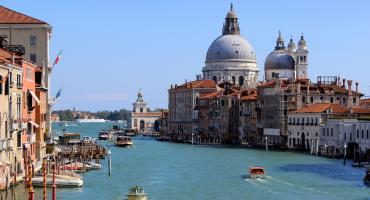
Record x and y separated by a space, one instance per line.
31 192
54 186
44 178
109 162
345 154
267 146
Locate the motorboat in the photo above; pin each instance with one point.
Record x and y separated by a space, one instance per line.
60 181
123 141
94 166
367 177
256 172
105 135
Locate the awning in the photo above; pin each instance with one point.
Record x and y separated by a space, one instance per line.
34 124
35 97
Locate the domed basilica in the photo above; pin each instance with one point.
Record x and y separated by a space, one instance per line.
231 57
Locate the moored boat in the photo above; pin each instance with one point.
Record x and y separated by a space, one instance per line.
256 172
367 177
105 135
60 181
123 141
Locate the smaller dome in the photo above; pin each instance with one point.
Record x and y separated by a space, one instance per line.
279 59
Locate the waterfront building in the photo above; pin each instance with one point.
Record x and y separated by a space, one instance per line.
141 119
182 116
231 57
279 97
218 115
55 117
31 37
30 101
352 132
163 124
10 117
304 125
249 117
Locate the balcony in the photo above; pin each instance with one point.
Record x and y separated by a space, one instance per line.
17 49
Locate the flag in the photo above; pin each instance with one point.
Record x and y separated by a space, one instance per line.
57 95
58 57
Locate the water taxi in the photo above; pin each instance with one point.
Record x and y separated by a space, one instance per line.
123 141
256 172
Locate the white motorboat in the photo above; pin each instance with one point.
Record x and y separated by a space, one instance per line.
60 181
94 166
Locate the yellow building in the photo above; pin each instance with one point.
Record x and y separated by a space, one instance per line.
10 119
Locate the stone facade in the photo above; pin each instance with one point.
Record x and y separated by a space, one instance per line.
141 120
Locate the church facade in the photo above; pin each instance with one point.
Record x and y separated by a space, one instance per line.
141 119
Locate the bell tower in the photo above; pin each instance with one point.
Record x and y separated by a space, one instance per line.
301 59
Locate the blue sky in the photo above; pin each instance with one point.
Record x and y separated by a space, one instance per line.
112 48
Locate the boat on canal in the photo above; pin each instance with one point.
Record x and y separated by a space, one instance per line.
60 181
367 177
105 134
123 141
256 172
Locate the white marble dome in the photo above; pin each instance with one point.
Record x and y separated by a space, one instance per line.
231 47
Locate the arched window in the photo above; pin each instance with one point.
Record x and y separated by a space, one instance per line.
233 79
241 80
303 99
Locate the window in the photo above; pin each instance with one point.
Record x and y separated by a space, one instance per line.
233 79
331 99
331 132
222 102
29 74
367 134
135 122
358 134
33 40
362 134
33 57
354 100
6 86
275 75
345 136
241 80
290 141
311 99
19 80
141 110
19 139
303 99
214 78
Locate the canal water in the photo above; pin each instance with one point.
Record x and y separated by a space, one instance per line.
182 171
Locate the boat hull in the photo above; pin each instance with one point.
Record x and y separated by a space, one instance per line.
60 182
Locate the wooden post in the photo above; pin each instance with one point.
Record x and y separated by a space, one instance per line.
44 178
109 163
54 186
25 173
31 192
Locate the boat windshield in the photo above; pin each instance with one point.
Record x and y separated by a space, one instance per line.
257 170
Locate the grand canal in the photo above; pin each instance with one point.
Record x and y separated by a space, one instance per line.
181 171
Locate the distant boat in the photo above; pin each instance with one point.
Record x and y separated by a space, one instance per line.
105 134
123 141
256 172
90 120
367 177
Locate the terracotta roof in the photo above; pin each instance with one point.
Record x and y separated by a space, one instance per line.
8 16
322 107
365 101
361 110
210 95
198 84
252 97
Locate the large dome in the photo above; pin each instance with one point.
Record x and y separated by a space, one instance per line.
279 59
231 47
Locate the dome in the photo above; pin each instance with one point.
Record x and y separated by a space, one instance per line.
231 14
279 59
230 47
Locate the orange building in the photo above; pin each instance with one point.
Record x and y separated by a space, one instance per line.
30 102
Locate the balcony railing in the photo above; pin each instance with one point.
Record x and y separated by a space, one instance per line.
18 49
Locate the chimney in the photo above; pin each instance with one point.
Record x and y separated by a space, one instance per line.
349 82
338 81
344 83
356 87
